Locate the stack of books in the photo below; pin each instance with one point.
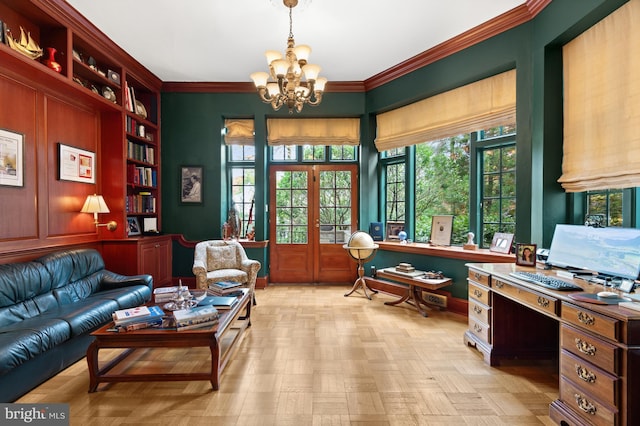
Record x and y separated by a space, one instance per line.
405 267
137 318
224 288
165 294
222 303
201 316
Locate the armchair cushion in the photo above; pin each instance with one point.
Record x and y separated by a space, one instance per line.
222 257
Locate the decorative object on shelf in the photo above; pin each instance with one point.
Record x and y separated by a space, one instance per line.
26 45
113 76
470 245
376 232
361 248
402 236
109 94
2 32
441 230
526 254
501 242
133 226
191 184
11 158
233 223
140 109
77 55
288 88
50 61
75 164
95 204
393 230
92 63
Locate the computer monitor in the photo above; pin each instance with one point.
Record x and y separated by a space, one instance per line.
613 251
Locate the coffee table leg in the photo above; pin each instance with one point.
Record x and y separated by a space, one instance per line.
92 361
215 363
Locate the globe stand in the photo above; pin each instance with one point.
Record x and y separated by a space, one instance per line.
360 255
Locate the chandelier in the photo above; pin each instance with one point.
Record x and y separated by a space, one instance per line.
288 87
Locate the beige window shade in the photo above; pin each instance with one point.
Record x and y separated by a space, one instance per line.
602 104
313 131
239 132
480 105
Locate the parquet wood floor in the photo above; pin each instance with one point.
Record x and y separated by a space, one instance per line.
315 357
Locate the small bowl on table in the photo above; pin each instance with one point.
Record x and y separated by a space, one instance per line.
198 294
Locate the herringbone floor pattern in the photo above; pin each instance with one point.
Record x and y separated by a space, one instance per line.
315 357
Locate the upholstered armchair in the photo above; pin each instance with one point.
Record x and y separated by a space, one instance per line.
219 260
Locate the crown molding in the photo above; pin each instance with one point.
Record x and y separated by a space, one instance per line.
248 87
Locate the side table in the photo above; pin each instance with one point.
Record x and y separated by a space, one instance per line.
415 287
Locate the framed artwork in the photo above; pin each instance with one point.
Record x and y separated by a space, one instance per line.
441 230
133 226
393 229
526 254
191 184
76 164
501 242
11 157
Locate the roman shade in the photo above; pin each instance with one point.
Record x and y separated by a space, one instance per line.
313 131
480 105
602 104
486 103
239 132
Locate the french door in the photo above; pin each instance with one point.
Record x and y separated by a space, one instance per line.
312 212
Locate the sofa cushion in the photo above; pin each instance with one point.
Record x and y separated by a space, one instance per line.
27 309
86 315
221 257
27 339
71 265
79 290
126 297
22 281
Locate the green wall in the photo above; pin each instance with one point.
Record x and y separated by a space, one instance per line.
191 124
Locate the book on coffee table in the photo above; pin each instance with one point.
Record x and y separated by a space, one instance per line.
220 302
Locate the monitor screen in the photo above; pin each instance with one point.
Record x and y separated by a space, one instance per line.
609 251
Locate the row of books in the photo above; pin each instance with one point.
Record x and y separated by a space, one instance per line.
134 128
140 175
140 152
142 202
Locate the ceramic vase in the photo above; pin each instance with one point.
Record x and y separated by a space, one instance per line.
50 61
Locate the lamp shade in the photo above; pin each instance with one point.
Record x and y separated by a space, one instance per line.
94 204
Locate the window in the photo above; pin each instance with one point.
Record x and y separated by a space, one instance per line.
314 153
607 203
241 152
442 186
243 189
393 163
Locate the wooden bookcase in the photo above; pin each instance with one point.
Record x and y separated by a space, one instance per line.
94 80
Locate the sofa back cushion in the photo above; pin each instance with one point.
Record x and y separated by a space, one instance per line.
71 265
22 281
222 257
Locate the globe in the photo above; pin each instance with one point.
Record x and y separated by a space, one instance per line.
361 245
402 236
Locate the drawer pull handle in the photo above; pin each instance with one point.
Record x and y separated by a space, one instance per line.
477 292
585 405
543 302
585 318
585 374
499 284
585 348
477 309
477 328
477 276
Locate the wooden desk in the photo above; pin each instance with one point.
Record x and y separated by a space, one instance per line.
598 346
415 287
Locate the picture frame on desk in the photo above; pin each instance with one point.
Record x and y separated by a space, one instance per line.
501 242
526 254
441 230
393 229
191 184
133 226
11 158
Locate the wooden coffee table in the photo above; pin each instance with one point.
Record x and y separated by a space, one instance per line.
220 339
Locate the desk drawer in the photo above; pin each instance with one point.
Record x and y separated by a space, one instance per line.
586 406
479 311
590 348
481 330
480 277
589 378
481 294
537 301
596 323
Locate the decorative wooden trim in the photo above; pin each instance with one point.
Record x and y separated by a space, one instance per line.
450 252
248 87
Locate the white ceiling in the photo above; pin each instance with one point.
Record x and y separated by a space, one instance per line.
225 41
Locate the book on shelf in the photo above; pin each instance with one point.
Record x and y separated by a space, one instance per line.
222 303
197 315
138 314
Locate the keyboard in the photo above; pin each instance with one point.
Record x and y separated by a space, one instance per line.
545 281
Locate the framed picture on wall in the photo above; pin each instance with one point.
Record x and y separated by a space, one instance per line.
526 254
191 184
75 164
11 157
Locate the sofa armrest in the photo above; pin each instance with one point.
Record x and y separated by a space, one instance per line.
111 280
200 271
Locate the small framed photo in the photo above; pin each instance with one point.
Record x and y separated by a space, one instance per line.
526 254
75 164
191 184
393 229
11 157
441 230
501 242
133 226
